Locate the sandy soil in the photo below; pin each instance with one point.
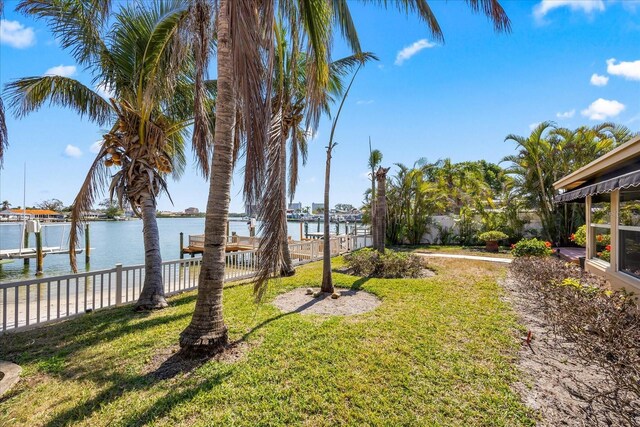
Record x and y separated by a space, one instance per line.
557 383
350 302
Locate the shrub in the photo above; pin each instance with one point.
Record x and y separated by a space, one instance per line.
603 324
580 236
492 236
531 247
390 265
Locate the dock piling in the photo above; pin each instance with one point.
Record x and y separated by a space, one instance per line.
39 255
181 245
26 244
87 245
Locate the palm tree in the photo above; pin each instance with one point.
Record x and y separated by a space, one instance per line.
375 158
4 135
289 108
550 153
245 50
142 60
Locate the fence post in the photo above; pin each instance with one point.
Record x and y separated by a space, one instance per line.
118 284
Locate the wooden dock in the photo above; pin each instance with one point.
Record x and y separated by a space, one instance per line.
33 252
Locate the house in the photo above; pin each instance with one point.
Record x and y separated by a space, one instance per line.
609 187
317 208
40 214
191 211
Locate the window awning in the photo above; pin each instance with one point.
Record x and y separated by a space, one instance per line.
631 179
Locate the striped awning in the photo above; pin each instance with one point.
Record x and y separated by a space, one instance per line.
631 179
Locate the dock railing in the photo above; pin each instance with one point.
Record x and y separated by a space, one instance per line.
28 303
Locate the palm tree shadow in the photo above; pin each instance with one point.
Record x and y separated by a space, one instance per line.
357 285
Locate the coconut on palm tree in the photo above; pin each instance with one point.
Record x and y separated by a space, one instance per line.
141 59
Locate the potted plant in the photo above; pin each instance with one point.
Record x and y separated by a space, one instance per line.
491 239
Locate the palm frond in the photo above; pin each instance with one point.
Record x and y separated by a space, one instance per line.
30 93
76 24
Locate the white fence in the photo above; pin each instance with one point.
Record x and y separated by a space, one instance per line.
48 299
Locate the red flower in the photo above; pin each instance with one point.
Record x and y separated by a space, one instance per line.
599 237
572 237
599 254
547 244
608 247
513 246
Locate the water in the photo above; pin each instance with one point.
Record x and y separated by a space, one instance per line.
114 242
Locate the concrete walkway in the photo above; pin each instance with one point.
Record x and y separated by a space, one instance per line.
471 257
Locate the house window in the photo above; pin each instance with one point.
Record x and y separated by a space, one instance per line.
629 232
601 228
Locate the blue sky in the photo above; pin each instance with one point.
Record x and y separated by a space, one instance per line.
574 62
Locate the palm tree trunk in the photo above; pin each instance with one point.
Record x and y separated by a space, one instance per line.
207 332
373 207
327 281
152 294
381 209
286 268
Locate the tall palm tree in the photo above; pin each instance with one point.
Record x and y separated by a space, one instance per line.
244 56
4 135
141 58
375 159
289 109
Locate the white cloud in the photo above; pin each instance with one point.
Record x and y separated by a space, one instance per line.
598 80
16 35
104 90
601 109
72 151
628 70
95 147
364 102
587 6
566 114
532 126
61 70
412 49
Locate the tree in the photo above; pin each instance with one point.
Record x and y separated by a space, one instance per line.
4 135
51 205
288 123
5 205
375 159
380 219
550 153
245 27
111 208
141 58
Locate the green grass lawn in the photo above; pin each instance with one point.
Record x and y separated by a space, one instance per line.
437 351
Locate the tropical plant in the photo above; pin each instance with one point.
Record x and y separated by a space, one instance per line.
5 205
492 236
140 56
531 247
550 153
244 50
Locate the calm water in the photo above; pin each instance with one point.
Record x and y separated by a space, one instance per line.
113 242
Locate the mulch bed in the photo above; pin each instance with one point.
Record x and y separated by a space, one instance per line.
557 383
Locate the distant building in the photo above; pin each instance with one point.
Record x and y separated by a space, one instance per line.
192 211
317 207
43 214
295 206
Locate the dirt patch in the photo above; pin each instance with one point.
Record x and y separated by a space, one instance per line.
557 382
350 302
170 361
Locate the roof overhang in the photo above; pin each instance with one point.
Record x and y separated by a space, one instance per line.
601 166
